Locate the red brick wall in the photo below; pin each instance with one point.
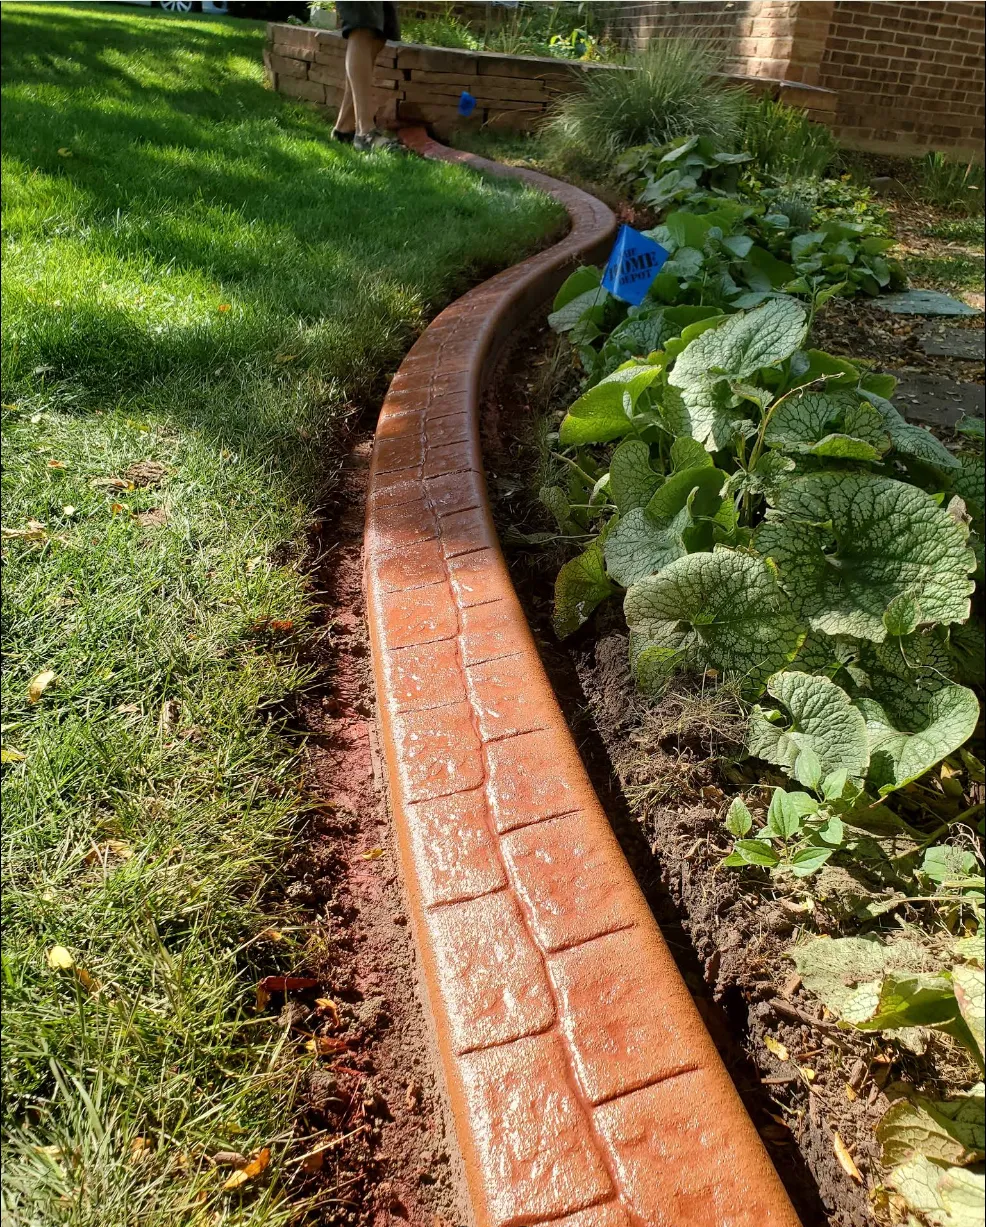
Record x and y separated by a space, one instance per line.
909 77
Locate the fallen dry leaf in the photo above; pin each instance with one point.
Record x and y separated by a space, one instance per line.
39 685
374 854
328 1006
35 531
110 847
60 959
777 1048
57 464
140 1150
251 1171
270 935
845 1158
87 980
851 1093
7 755
325 1045
807 1073
313 1163
111 483
223 308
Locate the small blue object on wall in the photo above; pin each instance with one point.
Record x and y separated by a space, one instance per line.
633 264
467 103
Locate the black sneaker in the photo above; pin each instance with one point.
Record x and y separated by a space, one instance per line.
345 137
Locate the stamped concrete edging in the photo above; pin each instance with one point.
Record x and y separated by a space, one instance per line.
584 1086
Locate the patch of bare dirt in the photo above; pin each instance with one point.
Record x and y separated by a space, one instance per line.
371 1116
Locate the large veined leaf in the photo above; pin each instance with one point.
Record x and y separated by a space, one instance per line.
743 344
721 610
970 992
590 307
827 424
847 544
969 483
580 586
902 674
823 721
639 546
952 1131
646 539
834 969
632 481
703 411
907 439
603 413
898 757
586 278
945 1196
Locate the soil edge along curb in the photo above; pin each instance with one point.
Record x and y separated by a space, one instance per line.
585 1088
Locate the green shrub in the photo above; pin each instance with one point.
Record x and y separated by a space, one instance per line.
785 144
956 186
671 90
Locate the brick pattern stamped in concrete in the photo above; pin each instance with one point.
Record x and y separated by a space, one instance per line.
585 1089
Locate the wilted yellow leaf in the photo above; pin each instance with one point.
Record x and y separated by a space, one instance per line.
325 1045
60 958
777 1048
40 684
845 1158
223 307
807 1073
851 1094
11 756
374 854
57 464
65 152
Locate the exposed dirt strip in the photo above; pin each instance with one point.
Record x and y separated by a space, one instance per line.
583 1083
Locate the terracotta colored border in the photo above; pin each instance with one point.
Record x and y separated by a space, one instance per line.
585 1089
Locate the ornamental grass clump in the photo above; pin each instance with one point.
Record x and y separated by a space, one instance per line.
672 89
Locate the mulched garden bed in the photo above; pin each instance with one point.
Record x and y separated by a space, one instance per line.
664 773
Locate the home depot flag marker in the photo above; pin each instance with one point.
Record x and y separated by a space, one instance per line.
633 264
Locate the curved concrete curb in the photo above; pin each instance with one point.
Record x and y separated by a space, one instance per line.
585 1089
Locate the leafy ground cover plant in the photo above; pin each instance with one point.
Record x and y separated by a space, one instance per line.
742 238
769 515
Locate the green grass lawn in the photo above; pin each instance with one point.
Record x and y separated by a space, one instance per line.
193 275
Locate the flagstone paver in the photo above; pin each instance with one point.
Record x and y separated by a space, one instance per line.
585 1089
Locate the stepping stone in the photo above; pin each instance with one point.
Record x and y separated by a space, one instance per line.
938 402
923 302
943 342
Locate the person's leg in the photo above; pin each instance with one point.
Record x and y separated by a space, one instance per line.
344 128
362 48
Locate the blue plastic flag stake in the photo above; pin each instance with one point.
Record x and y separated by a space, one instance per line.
633 264
467 103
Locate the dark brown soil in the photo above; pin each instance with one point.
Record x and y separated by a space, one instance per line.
370 1096
666 796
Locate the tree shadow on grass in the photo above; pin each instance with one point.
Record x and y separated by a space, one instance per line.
173 226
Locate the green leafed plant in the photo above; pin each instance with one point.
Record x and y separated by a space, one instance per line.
762 518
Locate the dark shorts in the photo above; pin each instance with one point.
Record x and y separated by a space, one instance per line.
380 17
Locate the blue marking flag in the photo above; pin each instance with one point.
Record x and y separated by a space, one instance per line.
633 264
467 103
